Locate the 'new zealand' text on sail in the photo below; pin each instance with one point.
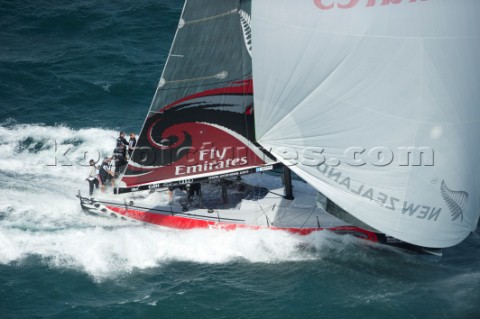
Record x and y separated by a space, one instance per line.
376 103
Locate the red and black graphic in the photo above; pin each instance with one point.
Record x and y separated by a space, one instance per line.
207 132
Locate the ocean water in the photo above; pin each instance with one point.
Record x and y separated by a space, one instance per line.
72 74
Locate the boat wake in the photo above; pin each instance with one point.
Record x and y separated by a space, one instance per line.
41 170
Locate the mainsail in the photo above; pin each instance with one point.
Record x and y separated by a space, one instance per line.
200 122
376 104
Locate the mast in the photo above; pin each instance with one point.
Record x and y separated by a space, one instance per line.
287 180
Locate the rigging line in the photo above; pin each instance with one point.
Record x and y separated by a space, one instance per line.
276 194
269 222
312 210
306 219
213 17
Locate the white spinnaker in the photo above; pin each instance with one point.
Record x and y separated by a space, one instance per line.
382 77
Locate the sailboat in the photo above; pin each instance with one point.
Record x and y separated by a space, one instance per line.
372 104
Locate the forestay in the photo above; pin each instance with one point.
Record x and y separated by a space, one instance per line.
376 104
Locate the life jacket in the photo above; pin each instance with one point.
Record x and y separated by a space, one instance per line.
121 146
104 168
132 142
118 151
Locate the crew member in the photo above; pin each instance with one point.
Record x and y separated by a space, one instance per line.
131 144
92 177
106 173
122 143
194 189
120 161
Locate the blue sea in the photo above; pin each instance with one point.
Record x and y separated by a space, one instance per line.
74 73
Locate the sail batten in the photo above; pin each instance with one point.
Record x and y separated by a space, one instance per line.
217 75
221 15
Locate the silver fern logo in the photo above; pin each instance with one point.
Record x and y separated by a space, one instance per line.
247 30
455 200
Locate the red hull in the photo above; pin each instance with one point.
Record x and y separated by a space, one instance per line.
179 222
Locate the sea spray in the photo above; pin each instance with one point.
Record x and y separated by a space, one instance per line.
42 217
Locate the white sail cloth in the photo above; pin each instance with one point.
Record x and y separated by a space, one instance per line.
386 93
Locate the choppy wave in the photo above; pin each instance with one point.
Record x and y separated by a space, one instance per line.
43 167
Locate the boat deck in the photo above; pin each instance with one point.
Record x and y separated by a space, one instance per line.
226 195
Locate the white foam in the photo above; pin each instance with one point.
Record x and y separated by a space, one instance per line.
41 216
